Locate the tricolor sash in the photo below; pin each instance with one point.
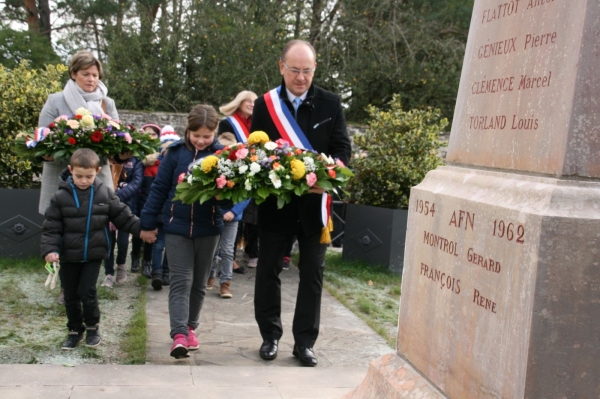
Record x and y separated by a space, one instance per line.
239 128
288 128
290 131
38 135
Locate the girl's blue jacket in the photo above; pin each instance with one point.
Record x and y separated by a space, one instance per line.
188 220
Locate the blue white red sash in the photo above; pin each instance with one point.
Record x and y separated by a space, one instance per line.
240 130
38 135
288 128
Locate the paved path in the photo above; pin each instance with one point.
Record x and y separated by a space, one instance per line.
227 364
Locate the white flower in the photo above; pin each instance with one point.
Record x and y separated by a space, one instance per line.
254 169
190 179
243 169
82 111
248 185
270 145
328 159
275 179
309 164
260 154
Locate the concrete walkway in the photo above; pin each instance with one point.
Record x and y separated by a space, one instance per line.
227 364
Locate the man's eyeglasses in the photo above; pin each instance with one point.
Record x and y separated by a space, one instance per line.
305 72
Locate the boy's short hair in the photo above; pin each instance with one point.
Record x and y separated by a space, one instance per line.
85 158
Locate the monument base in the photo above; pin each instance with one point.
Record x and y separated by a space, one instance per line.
392 377
500 290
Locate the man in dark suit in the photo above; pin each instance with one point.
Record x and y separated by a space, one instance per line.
320 117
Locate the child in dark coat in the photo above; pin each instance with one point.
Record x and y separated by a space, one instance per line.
75 232
129 184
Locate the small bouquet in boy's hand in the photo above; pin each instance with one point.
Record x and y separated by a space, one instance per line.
100 133
53 268
258 169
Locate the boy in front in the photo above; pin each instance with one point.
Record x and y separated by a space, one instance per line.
76 232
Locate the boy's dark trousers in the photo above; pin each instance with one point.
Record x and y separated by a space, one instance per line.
79 282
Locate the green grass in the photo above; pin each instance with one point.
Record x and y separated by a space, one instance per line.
24 311
33 264
371 292
133 343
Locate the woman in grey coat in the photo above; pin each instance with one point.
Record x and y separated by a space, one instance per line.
84 89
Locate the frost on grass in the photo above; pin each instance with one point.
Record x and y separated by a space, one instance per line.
33 325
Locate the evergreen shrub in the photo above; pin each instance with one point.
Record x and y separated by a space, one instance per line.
23 92
396 152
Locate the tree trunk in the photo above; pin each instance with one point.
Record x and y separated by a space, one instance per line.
46 28
33 18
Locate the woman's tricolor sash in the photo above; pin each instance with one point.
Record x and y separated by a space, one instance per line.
240 129
290 131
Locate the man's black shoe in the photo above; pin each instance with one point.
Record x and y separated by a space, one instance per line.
268 349
305 355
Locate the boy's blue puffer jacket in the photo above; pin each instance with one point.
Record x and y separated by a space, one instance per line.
188 220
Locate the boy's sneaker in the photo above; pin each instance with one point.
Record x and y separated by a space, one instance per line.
157 280
61 298
210 283
109 281
165 278
179 349
121 274
286 263
192 341
147 268
72 340
92 338
135 265
225 290
252 262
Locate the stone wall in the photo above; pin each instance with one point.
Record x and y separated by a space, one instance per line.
139 118
179 120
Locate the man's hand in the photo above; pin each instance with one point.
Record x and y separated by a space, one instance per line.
228 216
316 189
52 257
148 236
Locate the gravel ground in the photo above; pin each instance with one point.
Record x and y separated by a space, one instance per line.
33 325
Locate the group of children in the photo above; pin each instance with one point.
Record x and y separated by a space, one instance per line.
86 219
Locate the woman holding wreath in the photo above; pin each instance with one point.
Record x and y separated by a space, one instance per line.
84 89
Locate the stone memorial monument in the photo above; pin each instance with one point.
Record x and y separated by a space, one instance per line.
501 281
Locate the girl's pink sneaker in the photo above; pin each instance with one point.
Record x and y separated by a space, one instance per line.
192 341
179 349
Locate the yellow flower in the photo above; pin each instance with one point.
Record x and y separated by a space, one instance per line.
298 169
258 137
87 121
208 163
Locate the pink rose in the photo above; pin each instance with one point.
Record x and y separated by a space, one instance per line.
241 153
340 163
61 118
128 138
221 181
281 143
311 179
180 178
105 116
